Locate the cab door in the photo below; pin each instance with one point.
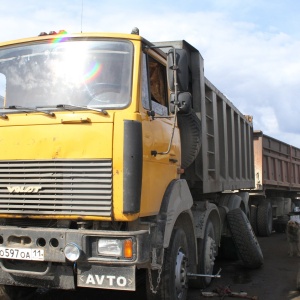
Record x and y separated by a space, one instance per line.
159 165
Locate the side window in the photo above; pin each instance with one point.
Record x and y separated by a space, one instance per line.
2 90
156 84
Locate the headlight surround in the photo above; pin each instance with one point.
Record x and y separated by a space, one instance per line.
121 248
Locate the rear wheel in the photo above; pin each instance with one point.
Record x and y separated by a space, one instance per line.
253 218
173 283
264 218
206 257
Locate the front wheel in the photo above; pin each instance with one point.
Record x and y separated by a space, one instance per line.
173 281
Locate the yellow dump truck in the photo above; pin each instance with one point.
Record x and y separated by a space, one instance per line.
118 155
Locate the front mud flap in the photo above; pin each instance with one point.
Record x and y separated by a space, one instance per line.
104 277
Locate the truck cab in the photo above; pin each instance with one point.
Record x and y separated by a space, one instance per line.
89 146
88 98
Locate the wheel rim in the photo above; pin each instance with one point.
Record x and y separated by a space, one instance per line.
180 273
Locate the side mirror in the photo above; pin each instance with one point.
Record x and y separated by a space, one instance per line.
178 66
184 102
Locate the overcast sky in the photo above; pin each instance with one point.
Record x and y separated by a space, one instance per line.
251 48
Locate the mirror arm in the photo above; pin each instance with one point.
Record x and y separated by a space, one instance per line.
154 152
175 68
151 113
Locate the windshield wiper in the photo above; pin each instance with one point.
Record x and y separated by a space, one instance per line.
26 109
66 106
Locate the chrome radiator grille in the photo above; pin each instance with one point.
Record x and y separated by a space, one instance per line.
56 187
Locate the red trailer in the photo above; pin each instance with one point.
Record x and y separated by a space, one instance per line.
277 183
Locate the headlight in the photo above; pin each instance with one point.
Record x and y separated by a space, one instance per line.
115 247
72 251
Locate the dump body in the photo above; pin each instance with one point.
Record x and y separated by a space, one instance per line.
277 164
227 150
225 161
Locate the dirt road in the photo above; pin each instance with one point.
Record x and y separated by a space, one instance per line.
276 280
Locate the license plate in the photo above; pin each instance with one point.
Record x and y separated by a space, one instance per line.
21 253
103 277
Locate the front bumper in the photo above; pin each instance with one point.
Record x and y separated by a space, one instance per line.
57 272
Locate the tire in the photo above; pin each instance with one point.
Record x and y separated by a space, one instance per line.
10 292
264 218
190 136
244 239
173 284
253 218
207 250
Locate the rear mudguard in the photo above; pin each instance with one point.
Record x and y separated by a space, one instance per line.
177 199
202 212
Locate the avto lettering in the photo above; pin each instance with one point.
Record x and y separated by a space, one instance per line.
23 189
112 280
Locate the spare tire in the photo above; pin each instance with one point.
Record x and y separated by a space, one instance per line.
190 135
244 239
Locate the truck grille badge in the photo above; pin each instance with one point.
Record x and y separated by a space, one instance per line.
24 189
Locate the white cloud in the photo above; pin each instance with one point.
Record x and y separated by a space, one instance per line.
257 65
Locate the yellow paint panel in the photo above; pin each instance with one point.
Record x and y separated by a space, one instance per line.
159 170
57 141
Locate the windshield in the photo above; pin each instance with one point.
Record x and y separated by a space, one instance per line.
76 72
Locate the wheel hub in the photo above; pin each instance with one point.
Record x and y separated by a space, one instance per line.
180 273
